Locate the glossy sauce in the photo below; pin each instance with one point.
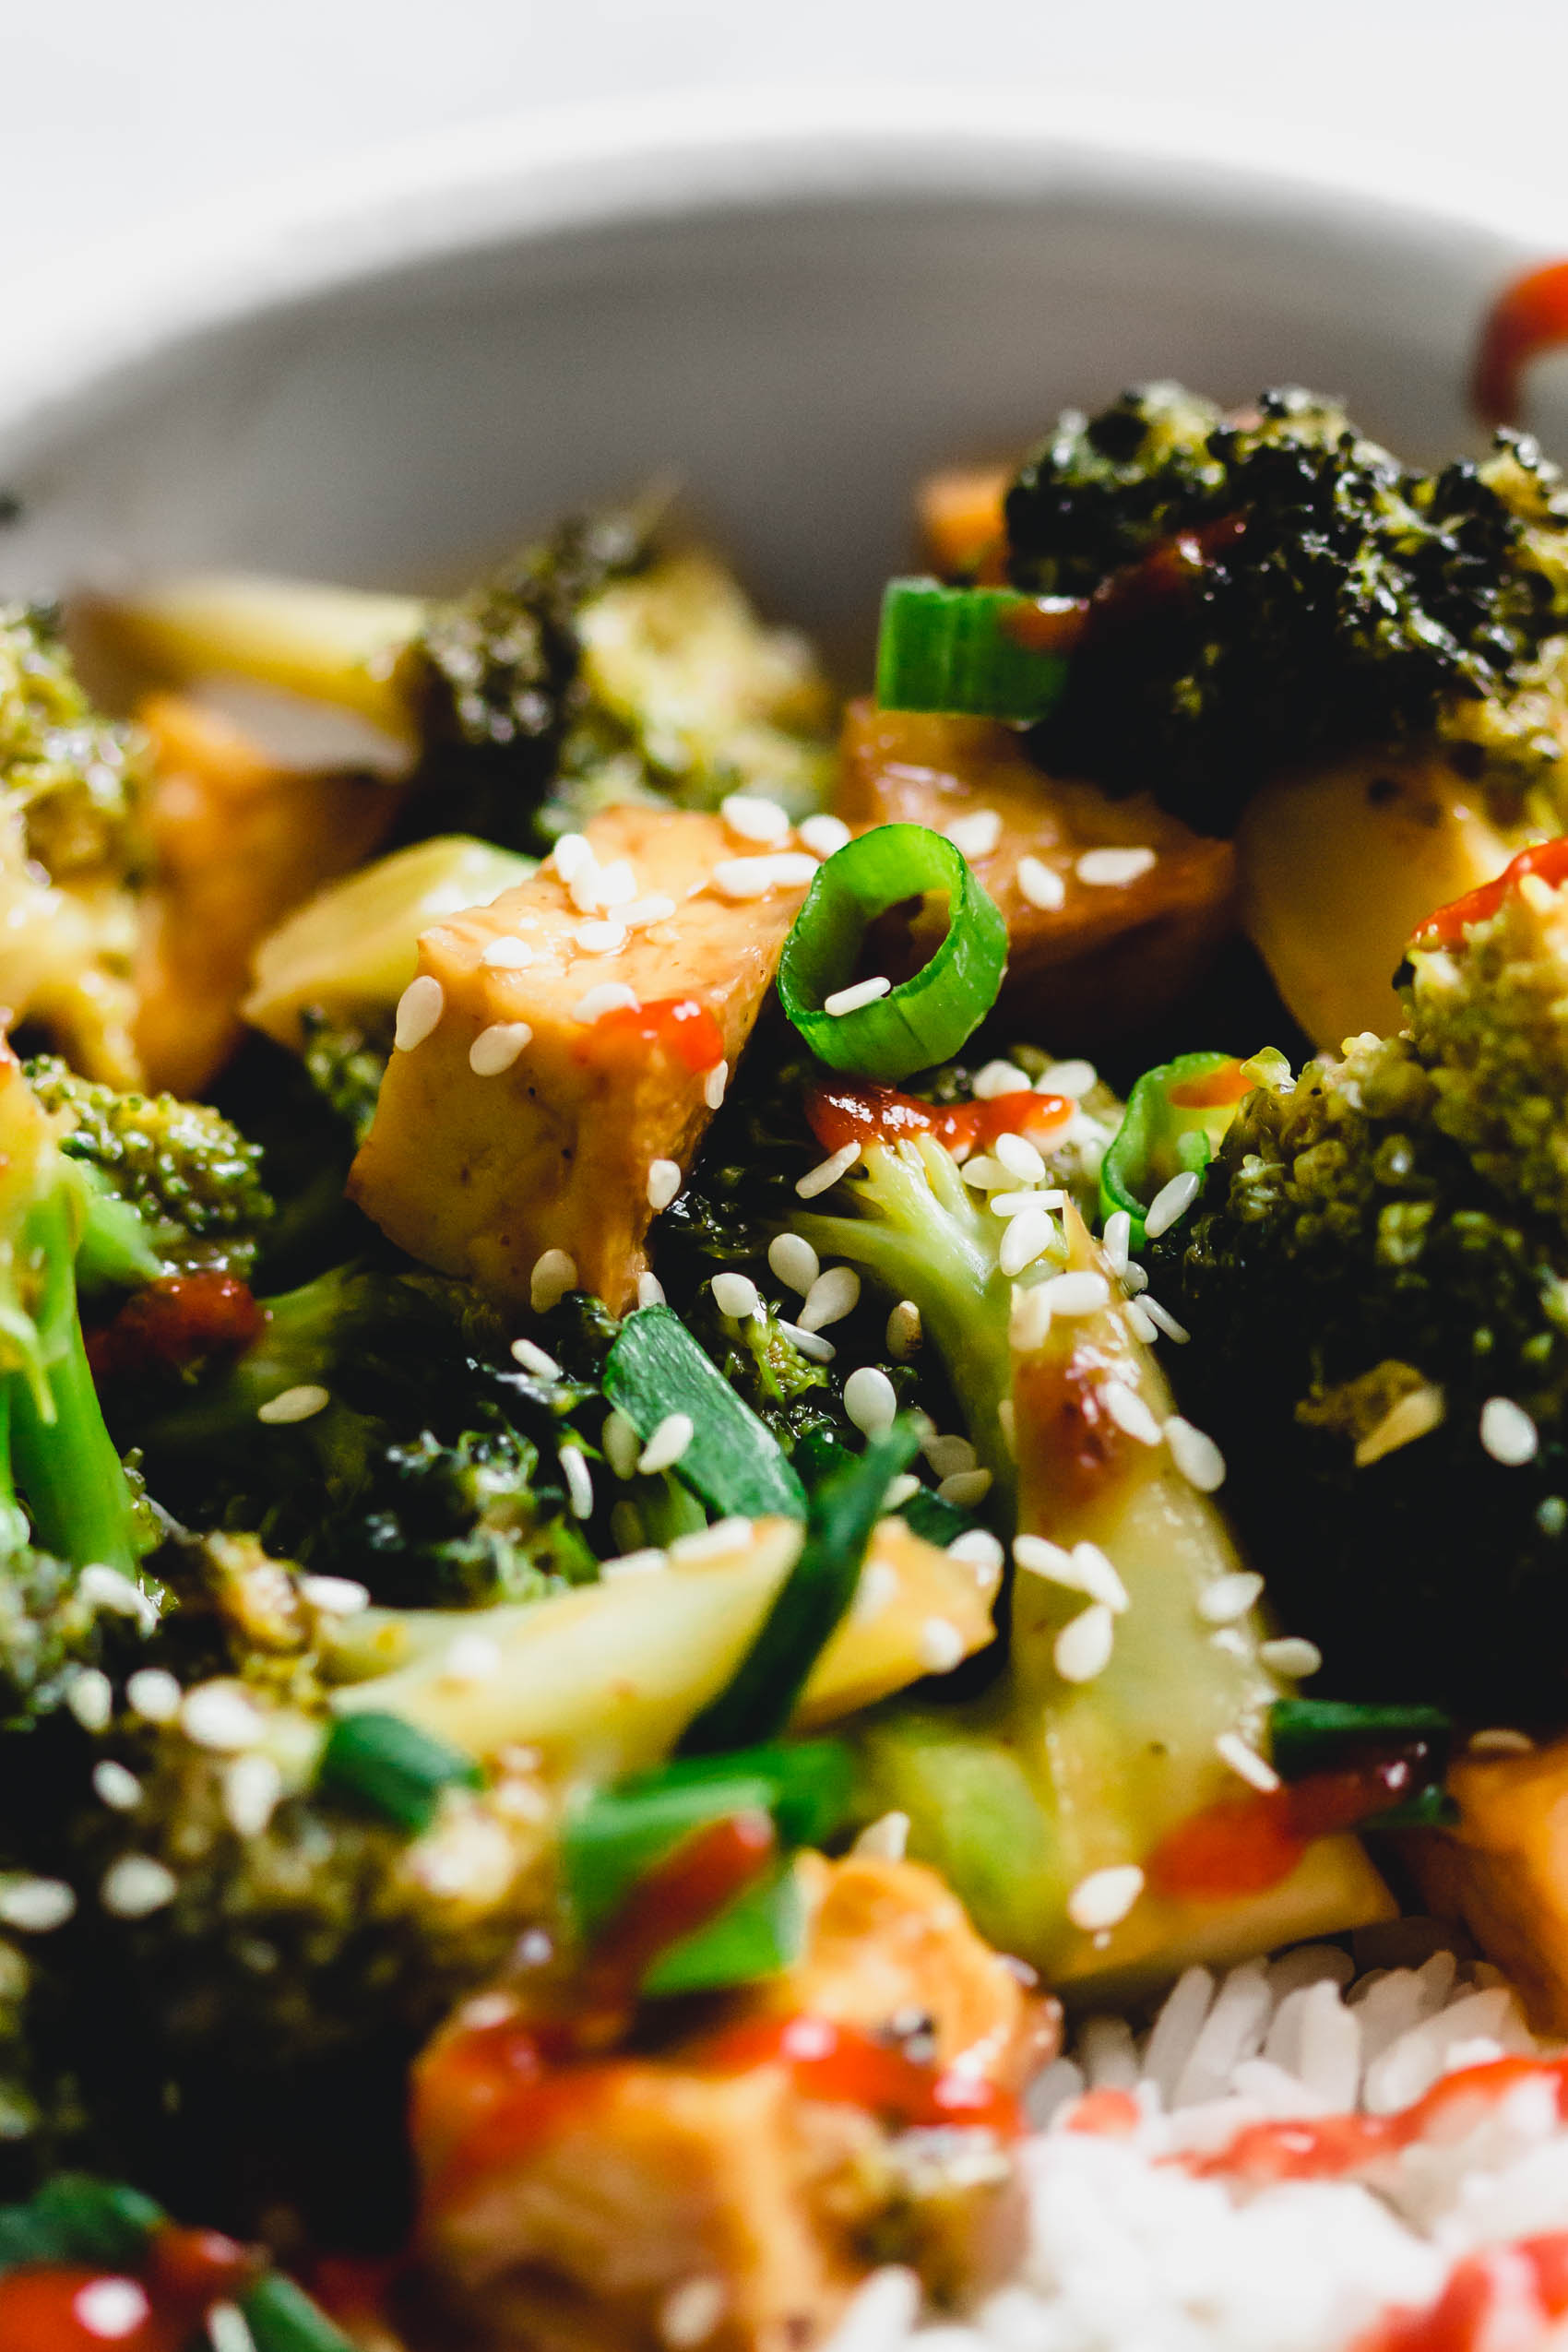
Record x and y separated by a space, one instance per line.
72 2307
1245 1844
1168 574
681 1025
174 1323
855 1111
1447 927
1072 1431
1228 1084
1047 623
1528 317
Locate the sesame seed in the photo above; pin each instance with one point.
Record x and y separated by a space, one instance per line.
222 1717
1077 1294
976 836
113 2308
823 835
1140 1324
116 1787
886 1840
227 2329
755 819
1029 1235
1117 1239
333 1596
109 1588
252 1787
1040 885
621 1444
1229 1598
1163 1320
36 1906
691 2311
1028 1320
871 1400
966 1487
735 1294
602 936
1072 1078
154 1693
507 955
137 1885
942 1647
876 1589
1084 1569
554 1273
860 994
571 854
1020 1159
831 1296
1105 1897
1013 1204
616 884
579 1483
650 1291
714 1083
827 1172
1500 1741
642 911
743 878
1113 869
794 1261
1195 1455
1134 1279
1128 1412
1246 1762
668 1443
471 1657
1171 1203
899 1491
92 1698
664 1183
584 889
609 996
809 1343
1291 1656
984 1175
496 1047
298 1404
711 1544
1083 1647
978 1550
1507 1433
534 1359
649 1560
419 1012
997 1078
904 1332
947 1454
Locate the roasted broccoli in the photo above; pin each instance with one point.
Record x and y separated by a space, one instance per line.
1270 588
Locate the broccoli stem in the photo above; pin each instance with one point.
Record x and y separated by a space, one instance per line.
61 1455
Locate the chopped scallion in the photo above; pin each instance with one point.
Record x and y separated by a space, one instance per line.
762 1932
1320 1735
732 1460
393 1767
1175 1119
969 650
282 2318
74 2218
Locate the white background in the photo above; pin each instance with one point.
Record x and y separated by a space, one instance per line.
118 113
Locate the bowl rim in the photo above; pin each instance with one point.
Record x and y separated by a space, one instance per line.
135 300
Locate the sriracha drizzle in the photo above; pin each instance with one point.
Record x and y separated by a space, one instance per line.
860 1111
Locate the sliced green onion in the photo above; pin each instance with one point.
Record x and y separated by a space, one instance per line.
762 1933
732 1459
840 1515
1318 1735
393 1767
926 1018
926 1514
74 2218
1161 1135
968 649
282 2318
1428 1808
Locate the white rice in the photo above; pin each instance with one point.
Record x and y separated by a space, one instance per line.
1128 2250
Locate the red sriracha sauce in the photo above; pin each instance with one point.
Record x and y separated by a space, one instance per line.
1228 1084
844 2066
174 1323
1447 927
680 1024
1530 316
70 2308
853 1110
1245 1844
1501 2298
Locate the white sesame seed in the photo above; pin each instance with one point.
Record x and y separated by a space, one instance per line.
1077 1294
979 1550
1140 1324
36 1906
535 1359
579 1482
876 1590
664 1183
1028 1320
1084 1569
977 835
1507 1433
1072 1078
832 1296
621 1444
823 835
154 1693
904 1331
507 955
794 1261
584 888
650 1291
735 1294
714 1083
886 1840
111 2308
496 1047
227 2329
137 1885
1083 1647
1246 1762
649 1561
109 1588
860 992
609 996
984 1175
743 878
1128 1412
554 1273
1291 1656
252 1787
995 1078
333 1596
642 911
572 852
1105 1897
668 1443
222 1717
1113 869
602 936
947 1454
809 1343
90 1698
1029 1235
899 1491
301 1403
471 1657
116 1787
755 819
1229 1598
616 884
1020 1158
1500 1741
1195 1453
1118 1239
1171 1203
827 1172
419 1012
691 2311
871 1400
711 1544
942 1647
1040 885
1013 1204
966 1487
1162 1319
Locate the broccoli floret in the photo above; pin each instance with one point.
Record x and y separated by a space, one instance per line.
346 1066
1273 588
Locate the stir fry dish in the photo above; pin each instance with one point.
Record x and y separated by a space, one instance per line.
725 1419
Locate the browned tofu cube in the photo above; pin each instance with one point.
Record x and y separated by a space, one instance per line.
560 1044
1111 906
1503 1872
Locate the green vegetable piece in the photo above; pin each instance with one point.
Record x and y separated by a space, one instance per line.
734 1462
927 1017
1316 1735
962 649
74 2218
1175 1118
839 1517
1429 1808
763 1931
282 2318
393 1767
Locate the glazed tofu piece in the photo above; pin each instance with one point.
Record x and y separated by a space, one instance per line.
1503 1871
634 2194
1111 906
562 1051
